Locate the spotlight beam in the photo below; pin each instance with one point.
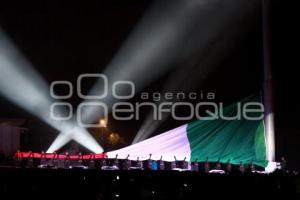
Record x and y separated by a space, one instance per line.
79 135
157 41
23 86
220 40
151 49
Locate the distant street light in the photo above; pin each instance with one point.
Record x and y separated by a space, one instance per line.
103 125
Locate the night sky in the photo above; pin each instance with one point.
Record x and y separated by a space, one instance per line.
63 41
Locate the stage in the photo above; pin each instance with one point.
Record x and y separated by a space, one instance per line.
18 183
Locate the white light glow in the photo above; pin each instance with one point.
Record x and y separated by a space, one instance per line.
161 38
23 86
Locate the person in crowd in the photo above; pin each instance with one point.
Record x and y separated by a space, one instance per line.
228 166
185 164
174 163
80 161
161 164
43 159
195 165
30 160
67 160
206 166
252 167
242 167
126 163
91 164
116 162
283 165
103 162
154 165
218 164
149 163
139 163
54 159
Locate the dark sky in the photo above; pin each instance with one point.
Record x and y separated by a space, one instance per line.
63 41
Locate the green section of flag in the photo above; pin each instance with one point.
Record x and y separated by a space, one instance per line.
235 140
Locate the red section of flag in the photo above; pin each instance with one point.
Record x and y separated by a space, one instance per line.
59 156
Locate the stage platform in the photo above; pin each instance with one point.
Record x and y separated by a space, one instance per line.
18 183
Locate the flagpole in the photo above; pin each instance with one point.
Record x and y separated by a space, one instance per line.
268 86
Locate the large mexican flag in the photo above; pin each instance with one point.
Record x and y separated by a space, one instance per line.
235 141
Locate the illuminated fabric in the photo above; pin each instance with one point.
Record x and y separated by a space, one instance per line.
233 141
